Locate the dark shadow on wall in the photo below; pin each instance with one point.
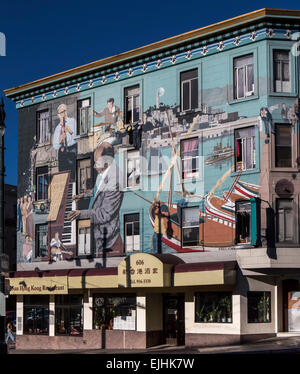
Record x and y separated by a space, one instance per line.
271 233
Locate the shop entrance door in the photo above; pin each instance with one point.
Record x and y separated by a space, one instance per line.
174 327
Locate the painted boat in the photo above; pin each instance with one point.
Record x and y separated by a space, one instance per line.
219 154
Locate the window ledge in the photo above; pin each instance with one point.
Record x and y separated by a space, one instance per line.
41 145
245 172
237 101
284 94
125 189
284 170
81 136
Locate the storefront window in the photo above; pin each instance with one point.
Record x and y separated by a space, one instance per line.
36 314
68 315
114 313
259 307
213 307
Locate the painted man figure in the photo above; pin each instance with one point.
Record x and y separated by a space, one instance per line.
64 141
111 114
105 203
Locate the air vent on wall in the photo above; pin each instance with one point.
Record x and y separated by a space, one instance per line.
284 187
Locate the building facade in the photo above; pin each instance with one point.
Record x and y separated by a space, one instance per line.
159 192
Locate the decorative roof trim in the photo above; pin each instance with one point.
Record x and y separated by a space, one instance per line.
182 57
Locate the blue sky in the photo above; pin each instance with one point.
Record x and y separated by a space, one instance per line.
47 37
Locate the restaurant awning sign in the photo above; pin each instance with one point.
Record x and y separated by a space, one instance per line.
143 270
39 285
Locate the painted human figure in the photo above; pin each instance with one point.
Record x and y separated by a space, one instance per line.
110 113
24 213
19 216
105 202
29 218
64 141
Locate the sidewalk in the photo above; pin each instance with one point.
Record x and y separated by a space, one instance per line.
281 344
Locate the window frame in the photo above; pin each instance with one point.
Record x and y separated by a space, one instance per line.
126 119
78 169
45 195
182 82
89 120
183 244
256 320
38 127
237 204
38 250
37 305
244 152
134 159
245 67
284 241
106 305
197 172
226 308
89 253
67 306
282 45
125 232
281 71
276 145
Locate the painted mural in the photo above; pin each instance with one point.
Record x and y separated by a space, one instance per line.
80 190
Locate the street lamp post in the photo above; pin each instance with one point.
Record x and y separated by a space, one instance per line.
3 346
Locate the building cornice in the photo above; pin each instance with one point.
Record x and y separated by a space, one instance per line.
156 51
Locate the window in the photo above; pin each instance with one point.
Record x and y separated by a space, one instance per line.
36 314
114 313
281 71
42 182
243 221
41 249
189 89
285 220
84 237
189 158
68 315
244 141
213 307
43 131
243 76
133 169
259 307
83 116
132 232
84 179
190 226
283 146
132 104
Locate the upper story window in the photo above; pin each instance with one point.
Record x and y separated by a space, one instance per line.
190 158
133 169
243 76
132 232
285 220
83 116
43 130
281 70
244 141
283 146
84 237
132 104
189 89
42 178
190 226
243 222
84 176
41 249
